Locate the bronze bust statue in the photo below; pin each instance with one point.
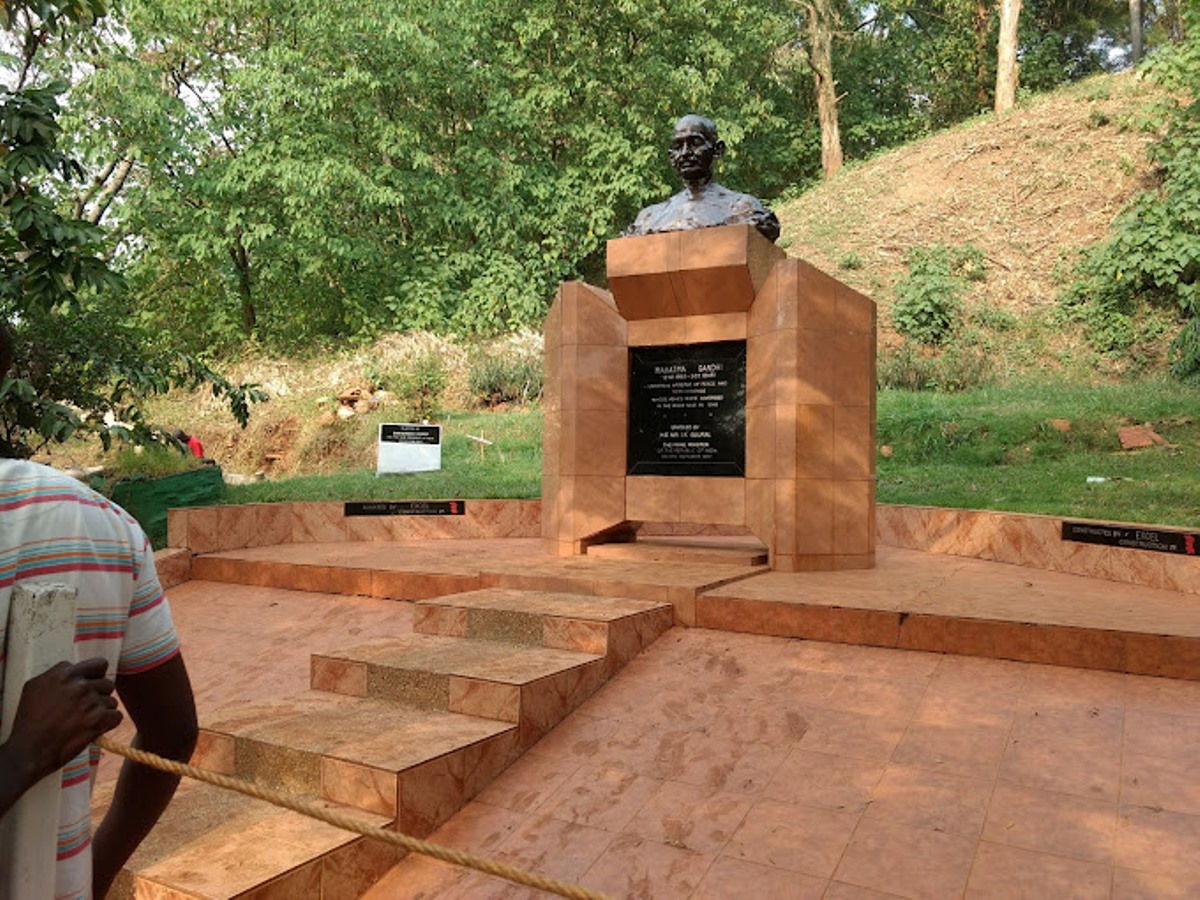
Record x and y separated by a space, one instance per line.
701 203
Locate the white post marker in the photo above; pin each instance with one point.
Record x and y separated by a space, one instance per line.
41 632
409 447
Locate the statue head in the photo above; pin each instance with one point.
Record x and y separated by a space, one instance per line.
694 148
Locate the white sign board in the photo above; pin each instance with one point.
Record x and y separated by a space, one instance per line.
409 448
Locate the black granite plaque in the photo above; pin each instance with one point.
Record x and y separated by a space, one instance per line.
687 410
1157 539
405 508
404 433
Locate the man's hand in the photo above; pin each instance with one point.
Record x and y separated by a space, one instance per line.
61 711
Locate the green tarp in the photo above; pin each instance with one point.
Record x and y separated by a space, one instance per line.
148 499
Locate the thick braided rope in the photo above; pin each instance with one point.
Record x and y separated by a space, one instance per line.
348 823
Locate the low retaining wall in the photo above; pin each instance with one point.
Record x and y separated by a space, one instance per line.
1023 540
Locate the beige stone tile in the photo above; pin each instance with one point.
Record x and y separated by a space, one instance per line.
760 442
339 676
203 529
726 326
600 797
526 784
816 298
599 504
893 857
362 787
432 618
177 528
555 847
214 752
728 877
814 441
657 332
853 442
813 358
652 498
1159 841
431 793
318 522
792 836
656 869
853 368
854 311
346 874
850 734
816 508
760 370
300 882
1132 885
853 526
597 321
1077 827
1160 783
826 781
688 816
1002 871
722 501
936 801
487 699
602 374
1051 764
971 750
596 450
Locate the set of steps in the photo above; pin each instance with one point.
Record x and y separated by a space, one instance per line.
400 732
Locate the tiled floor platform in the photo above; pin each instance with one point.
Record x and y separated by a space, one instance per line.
727 765
910 600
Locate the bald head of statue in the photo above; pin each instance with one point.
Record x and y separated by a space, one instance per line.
694 148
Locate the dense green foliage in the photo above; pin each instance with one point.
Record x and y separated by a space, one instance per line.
929 299
296 173
1153 255
58 297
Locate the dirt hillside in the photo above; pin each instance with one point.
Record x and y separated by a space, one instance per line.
1028 189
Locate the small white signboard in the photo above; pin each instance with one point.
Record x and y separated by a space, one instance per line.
407 447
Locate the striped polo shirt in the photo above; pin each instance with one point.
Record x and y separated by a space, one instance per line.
54 529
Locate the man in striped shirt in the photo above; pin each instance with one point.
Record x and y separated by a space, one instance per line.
52 528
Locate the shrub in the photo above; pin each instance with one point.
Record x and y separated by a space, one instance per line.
957 367
929 299
421 384
508 371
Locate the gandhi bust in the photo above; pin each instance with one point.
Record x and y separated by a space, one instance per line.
701 203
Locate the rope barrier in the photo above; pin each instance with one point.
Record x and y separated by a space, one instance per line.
348 823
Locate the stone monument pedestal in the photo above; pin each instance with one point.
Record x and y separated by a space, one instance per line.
719 383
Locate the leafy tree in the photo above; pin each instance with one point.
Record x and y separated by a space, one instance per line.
1153 254
304 172
74 357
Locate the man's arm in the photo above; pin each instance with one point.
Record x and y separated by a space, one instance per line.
160 703
60 712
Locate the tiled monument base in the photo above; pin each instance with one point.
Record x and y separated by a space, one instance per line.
807 489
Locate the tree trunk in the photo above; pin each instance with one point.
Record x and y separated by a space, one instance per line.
1135 30
1006 55
980 21
821 21
241 261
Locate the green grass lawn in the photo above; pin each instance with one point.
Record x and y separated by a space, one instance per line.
992 448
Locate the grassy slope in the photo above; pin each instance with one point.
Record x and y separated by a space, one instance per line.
1029 189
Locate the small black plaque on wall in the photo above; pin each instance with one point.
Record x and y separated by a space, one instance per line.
687 410
406 508
1136 538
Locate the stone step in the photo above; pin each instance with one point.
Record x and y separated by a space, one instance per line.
416 766
616 628
214 844
679 549
531 687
